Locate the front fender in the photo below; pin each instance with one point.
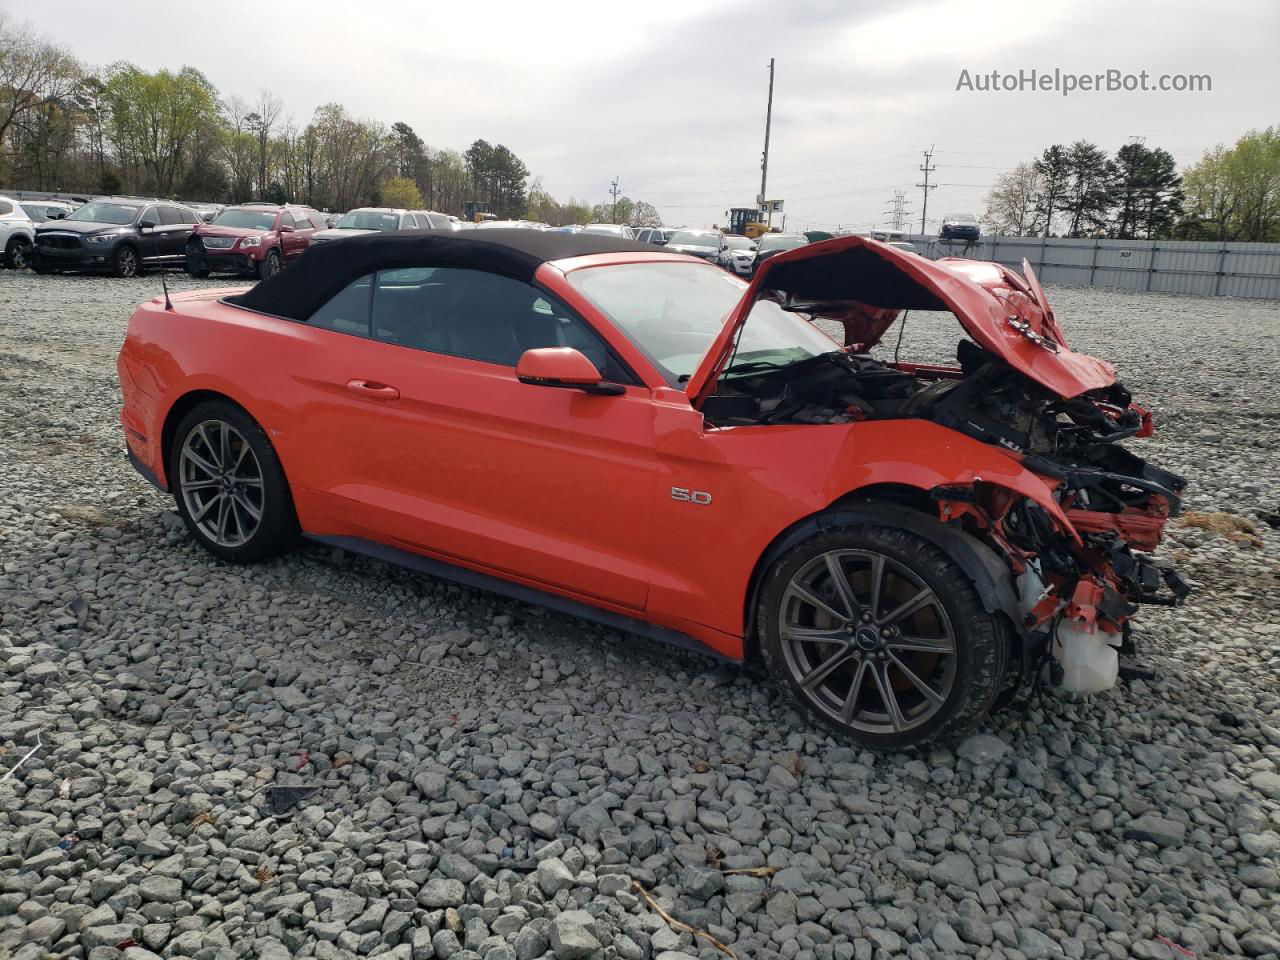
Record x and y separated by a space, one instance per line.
924 455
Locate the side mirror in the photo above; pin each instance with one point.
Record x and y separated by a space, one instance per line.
146 224
286 228
563 367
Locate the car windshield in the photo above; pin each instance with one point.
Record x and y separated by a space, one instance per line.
246 219
368 220
690 238
771 242
961 218
98 212
740 243
673 311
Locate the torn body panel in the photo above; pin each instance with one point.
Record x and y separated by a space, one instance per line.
1078 549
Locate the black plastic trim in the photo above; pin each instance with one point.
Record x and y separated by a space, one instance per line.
517 591
147 473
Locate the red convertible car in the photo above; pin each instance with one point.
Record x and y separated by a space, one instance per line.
643 439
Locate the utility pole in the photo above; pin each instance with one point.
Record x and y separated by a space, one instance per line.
764 163
927 169
613 188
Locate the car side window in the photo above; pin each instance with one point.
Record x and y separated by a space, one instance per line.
187 216
480 316
169 216
348 310
152 214
6 208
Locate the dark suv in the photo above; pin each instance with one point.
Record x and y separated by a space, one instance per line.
253 238
960 226
118 234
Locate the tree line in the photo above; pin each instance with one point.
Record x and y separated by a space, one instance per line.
1078 190
69 128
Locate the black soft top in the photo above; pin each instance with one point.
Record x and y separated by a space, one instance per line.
326 268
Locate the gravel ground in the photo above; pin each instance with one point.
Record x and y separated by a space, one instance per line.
491 780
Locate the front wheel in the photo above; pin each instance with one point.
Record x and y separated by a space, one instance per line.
270 266
17 254
229 486
125 262
882 637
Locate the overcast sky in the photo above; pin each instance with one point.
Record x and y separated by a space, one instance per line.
670 96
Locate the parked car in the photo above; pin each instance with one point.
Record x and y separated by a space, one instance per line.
899 545
17 233
508 225
903 245
742 254
771 244
710 245
372 220
121 235
42 211
658 236
960 226
254 238
619 230
207 212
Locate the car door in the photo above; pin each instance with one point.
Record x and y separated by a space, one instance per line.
172 234
149 237
442 450
293 242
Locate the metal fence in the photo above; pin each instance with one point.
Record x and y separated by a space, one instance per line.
1203 267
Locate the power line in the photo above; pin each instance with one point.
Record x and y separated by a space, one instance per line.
926 186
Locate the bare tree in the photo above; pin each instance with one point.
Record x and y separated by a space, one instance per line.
1011 204
265 114
34 74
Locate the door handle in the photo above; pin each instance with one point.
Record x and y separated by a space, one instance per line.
373 390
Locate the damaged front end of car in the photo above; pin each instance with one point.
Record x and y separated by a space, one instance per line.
1078 545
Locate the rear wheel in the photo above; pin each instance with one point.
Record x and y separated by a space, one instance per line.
17 253
229 486
270 266
881 636
125 262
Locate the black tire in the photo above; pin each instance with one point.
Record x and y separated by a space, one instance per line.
276 529
194 264
125 262
964 681
18 253
270 266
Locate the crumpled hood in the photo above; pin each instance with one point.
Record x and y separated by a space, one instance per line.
866 284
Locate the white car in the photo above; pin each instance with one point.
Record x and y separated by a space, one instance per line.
17 233
42 211
742 254
620 230
377 219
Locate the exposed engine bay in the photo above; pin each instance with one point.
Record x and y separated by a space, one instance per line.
1080 557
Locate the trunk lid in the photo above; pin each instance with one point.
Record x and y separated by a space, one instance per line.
1007 315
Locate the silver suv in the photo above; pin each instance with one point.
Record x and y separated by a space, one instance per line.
17 233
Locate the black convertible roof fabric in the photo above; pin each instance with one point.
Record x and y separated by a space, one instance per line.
327 267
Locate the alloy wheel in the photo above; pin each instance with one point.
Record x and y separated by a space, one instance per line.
221 483
127 262
18 258
867 641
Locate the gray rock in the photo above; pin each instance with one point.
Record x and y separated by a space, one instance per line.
954 868
1156 829
571 937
